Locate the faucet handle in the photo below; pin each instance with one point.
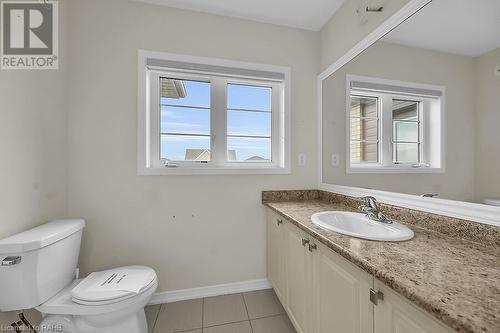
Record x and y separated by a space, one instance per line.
370 201
371 208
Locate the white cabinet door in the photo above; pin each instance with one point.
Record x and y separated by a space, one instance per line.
298 273
394 314
324 293
342 295
276 253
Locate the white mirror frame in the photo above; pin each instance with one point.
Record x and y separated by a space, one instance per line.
458 209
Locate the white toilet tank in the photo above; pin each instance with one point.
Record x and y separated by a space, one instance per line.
38 263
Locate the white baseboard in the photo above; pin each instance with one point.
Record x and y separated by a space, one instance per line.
221 289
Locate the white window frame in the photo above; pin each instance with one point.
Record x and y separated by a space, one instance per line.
430 162
149 162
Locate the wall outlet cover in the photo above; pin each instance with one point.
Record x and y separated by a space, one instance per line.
302 159
335 160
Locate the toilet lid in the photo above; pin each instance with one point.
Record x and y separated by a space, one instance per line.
113 283
492 202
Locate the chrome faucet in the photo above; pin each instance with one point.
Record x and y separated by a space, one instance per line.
371 208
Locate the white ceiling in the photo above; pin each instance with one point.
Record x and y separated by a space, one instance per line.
304 14
465 27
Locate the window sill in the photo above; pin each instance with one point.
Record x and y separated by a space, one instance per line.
383 170
192 171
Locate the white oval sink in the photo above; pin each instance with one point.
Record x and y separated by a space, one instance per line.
359 225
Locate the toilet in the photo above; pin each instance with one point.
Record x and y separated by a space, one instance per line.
38 270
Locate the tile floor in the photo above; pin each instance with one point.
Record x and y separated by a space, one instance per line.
252 312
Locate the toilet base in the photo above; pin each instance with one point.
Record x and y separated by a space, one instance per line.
106 323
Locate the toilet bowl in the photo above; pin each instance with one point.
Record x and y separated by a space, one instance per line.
37 270
113 315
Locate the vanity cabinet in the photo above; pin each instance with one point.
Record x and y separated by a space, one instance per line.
276 253
322 292
341 300
297 271
396 314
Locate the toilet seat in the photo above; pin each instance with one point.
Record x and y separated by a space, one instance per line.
63 303
112 285
114 300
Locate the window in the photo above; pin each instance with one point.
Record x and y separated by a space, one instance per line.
185 133
394 126
406 136
210 118
364 129
249 123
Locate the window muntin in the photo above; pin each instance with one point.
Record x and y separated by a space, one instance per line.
364 129
185 112
406 131
249 123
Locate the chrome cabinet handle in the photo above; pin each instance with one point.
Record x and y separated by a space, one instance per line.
312 247
11 261
375 296
279 222
305 241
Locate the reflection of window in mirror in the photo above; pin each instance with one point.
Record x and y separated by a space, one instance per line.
406 136
364 129
394 126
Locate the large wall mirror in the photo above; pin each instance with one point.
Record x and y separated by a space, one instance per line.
418 112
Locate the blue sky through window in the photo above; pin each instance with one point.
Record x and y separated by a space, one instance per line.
248 97
191 115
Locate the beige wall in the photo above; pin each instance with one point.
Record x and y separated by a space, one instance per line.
345 29
33 148
218 232
488 120
397 62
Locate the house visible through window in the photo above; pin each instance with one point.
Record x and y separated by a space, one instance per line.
394 126
206 117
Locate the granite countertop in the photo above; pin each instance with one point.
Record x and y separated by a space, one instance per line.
456 280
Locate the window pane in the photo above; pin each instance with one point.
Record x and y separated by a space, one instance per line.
364 129
364 107
404 110
248 149
185 120
364 151
185 148
406 153
184 92
249 123
248 97
406 132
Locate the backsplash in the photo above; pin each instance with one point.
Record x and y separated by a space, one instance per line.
485 234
